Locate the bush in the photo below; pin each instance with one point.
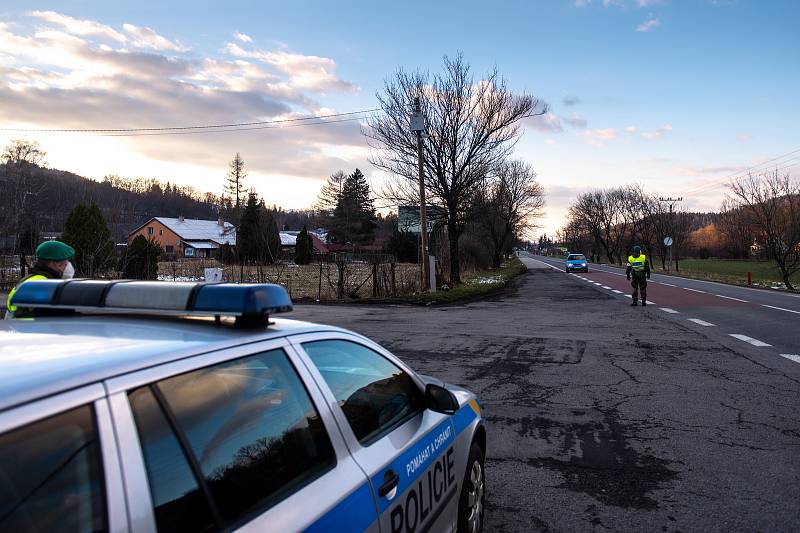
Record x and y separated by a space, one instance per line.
140 260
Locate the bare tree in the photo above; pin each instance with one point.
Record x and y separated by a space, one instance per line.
471 126
507 205
736 227
773 203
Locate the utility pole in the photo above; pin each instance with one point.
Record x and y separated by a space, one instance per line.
670 238
418 126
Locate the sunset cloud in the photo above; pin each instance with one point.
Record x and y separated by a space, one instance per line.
143 37
648 25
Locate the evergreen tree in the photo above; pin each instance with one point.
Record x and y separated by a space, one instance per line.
86 231
304 250
234 184
354 220
258 240
141 259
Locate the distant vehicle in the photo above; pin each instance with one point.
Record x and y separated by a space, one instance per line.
576 262
157 406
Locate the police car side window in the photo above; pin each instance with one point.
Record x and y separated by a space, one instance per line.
51 477
250 433
374 394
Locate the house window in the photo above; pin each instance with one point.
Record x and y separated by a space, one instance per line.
149 231
169 249
189 252
161 232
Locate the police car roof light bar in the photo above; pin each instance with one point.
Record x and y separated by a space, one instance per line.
250 303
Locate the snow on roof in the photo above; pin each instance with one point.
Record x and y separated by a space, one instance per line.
288 239
190 229
202 245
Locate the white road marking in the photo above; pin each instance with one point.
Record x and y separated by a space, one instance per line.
606 287
651 303
668 310
731 298
781 309
694 290
791 357
749 340
701 322
667 284
596 283
616 291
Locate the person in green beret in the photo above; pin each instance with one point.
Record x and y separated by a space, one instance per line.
52 262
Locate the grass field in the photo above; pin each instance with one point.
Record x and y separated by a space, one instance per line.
765 273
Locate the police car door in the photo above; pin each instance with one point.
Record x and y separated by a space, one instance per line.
407 450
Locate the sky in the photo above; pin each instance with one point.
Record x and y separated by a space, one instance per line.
678 96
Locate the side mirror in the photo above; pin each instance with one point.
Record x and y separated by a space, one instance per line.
440 399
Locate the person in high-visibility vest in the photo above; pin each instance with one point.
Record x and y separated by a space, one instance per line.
638 272
52 262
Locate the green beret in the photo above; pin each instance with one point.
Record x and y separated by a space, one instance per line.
54 251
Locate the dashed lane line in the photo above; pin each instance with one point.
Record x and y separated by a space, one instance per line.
781 309
700 322
791 357
749 340
667 284
651 303
668 310
606 287
695 290
731 298
616 291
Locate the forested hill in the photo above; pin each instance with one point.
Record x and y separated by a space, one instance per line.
50 194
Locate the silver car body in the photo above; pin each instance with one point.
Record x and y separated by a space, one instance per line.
51 365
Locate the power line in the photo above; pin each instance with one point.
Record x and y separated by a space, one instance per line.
738 174
185 128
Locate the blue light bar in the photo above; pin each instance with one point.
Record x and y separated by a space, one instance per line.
154 297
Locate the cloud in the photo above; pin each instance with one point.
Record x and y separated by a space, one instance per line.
576 121
548 123
630 130
144 37
79 27
648 25
571 100
701 171
666 129
744 137
56 79
313 73
599 137
582 3
648 3
243 37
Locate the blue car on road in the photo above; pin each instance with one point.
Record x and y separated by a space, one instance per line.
576 262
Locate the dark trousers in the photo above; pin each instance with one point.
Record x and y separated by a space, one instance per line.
639 283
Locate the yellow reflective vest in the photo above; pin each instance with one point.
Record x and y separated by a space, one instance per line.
13 308
637 263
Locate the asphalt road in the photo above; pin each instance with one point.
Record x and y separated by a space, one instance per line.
765 318
606 417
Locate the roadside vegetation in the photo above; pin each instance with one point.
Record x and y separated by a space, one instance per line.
477 285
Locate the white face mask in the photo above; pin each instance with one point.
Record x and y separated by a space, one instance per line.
69 271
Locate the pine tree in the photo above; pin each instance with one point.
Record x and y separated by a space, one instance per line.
329 194
86 231
141 259
257 240
234 185
354 216
304 250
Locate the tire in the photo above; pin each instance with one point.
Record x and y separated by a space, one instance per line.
472 501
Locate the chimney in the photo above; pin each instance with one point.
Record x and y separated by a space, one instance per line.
180 218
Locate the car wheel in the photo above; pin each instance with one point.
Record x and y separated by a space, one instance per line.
473 494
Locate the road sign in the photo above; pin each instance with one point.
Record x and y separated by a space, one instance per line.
667 241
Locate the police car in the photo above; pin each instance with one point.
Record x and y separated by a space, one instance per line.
152 406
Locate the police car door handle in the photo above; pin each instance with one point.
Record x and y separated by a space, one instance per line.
390 481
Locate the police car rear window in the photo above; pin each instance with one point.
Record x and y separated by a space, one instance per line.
252 432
